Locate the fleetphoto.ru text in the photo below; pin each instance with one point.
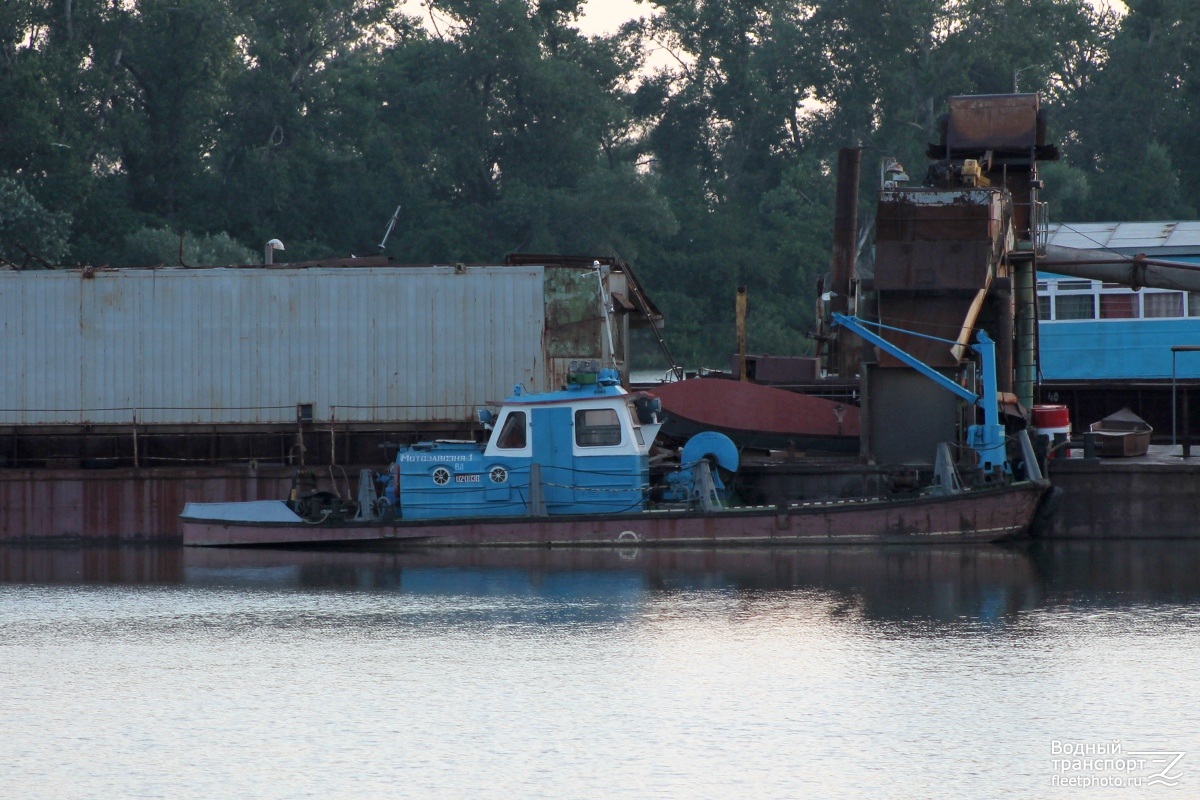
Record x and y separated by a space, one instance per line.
1091 765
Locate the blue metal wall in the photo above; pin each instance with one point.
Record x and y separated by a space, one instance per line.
1116 349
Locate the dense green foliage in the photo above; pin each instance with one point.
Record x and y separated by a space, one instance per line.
134 132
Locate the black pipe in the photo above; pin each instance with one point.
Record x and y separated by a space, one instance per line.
845 237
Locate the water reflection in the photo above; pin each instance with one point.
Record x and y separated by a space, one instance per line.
804 672
983 584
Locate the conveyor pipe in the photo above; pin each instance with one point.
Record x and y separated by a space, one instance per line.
1136 271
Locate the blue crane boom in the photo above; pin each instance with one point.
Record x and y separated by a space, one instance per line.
987 440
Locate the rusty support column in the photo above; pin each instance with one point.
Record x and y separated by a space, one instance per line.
845 234
741 333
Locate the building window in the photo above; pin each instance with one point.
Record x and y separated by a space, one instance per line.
597 427
1163 304
1122 305
1081 306
1074 286
1043 307
1194 304
512 435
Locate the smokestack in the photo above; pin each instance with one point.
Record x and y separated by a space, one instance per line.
845 236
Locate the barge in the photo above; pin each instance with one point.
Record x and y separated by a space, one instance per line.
573 468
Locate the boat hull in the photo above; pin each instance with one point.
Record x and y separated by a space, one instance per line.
758 417
1121 444
986 515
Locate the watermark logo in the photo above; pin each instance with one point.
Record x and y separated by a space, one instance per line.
1090 765
1168 761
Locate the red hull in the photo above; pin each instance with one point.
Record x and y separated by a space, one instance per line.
980 516
758 416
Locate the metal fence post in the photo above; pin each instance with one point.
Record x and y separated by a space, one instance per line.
1175 351
1187 428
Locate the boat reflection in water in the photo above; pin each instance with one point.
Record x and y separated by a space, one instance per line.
974 583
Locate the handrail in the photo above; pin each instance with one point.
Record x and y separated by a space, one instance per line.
214 415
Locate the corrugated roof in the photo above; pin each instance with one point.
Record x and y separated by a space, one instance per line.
1126 236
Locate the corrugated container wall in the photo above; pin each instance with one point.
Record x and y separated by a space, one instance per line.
204 346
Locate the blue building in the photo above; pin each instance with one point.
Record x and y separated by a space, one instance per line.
1103 345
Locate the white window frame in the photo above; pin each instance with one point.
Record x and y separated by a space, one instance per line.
1050 288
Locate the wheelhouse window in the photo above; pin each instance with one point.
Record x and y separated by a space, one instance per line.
637 423
512 435
597 427
1194 304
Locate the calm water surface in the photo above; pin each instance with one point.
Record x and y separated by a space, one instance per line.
858 672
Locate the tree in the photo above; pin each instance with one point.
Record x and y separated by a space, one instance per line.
147 246
1132 127
496 126
56 73
177 55
28 232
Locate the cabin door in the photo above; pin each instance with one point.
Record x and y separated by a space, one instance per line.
553 434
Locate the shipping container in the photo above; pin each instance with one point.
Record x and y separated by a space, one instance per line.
259 345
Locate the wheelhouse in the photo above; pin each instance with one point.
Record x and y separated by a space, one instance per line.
582 450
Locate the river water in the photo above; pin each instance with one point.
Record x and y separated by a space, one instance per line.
815 672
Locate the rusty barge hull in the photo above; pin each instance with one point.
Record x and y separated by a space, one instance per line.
986 515
122 504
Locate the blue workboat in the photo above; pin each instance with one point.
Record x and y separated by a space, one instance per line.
582 450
